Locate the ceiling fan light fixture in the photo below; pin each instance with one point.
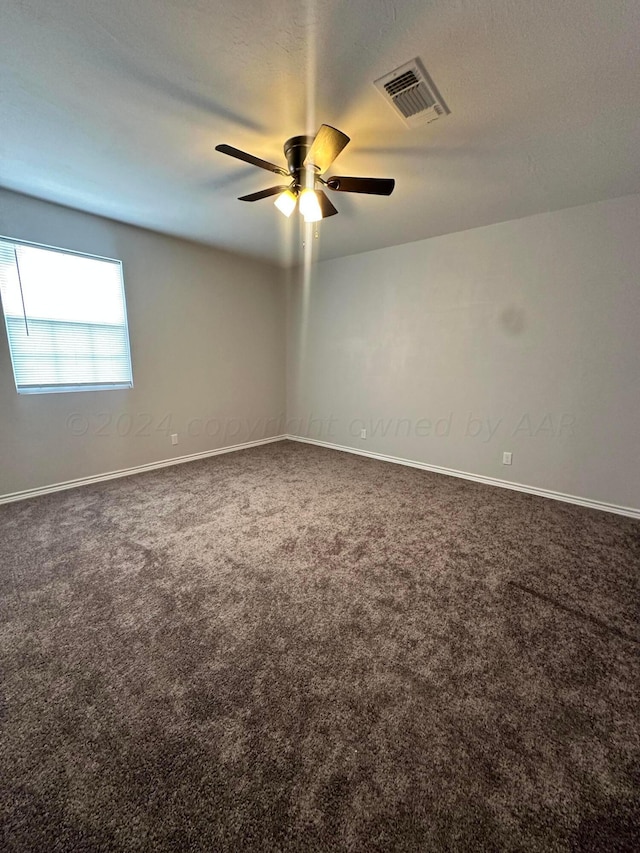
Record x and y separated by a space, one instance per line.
308 158
310 206
286 202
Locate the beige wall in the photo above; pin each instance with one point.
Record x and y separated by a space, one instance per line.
522 336
207 344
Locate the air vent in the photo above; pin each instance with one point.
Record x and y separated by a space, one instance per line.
413 94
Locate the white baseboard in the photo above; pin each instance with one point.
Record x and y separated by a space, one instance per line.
128 472
631 512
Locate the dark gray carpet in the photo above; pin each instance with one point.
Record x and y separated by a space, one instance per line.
291 648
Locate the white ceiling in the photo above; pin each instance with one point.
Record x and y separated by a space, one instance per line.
116 107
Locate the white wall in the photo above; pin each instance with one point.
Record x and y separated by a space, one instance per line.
530 328
207 343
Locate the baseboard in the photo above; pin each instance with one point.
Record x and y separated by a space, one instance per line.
631 512
128 472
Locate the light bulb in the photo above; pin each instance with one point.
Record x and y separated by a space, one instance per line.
310 206
286 202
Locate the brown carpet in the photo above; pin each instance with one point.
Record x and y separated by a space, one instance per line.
292 648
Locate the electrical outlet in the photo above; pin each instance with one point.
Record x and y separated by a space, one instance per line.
174 438
507 456
363 433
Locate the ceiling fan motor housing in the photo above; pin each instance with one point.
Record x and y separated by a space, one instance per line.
296 150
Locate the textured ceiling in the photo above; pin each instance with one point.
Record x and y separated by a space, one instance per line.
116 107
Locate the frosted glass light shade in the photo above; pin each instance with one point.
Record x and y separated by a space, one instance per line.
310 206
286 202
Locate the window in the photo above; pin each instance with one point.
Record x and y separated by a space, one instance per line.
66 319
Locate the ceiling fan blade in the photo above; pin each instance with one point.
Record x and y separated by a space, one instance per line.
249 158
326 206
263 194
328 143
372 186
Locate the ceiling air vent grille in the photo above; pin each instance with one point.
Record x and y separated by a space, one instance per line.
413 94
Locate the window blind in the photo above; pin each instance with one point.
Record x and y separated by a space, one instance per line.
66 319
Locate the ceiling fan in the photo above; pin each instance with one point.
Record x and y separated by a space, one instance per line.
308 158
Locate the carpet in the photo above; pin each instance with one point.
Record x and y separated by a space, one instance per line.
290 648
